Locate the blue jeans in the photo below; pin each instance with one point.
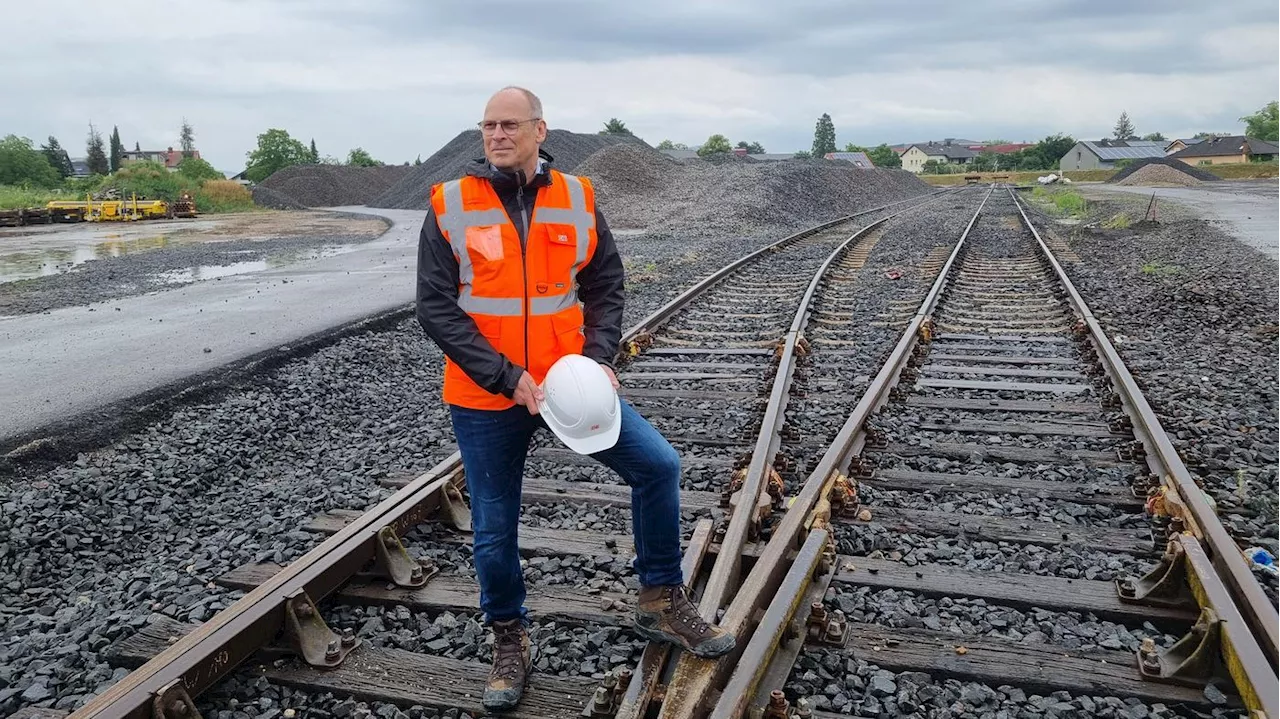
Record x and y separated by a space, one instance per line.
494 445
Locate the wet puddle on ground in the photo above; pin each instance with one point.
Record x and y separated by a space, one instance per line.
34 263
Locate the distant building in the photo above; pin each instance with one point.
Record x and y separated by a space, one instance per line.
1181 144
916 156
1102 154
903 147
80 167
772 156
1226 150
170 158
859 159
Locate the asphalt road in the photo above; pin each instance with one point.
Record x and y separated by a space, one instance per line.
1246 209
56 365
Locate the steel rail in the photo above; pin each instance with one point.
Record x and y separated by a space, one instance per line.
725 571
695 678
206 655
1252 637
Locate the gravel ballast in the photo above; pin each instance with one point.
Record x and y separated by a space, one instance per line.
1193 314
330 185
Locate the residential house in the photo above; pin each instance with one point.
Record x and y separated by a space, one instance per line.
1226 150
1181 144
859 159
772 156
916 156
1103 154
170 158
903 147
80 167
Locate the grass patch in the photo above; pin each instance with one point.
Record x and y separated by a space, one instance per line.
215 196
1117 222
1243 171
1061 201
13 197
1156 268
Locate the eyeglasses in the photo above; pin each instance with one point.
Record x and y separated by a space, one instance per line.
509 127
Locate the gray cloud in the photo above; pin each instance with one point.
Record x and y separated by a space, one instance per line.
401 78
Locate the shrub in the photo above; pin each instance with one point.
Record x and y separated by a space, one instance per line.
198 170
148 179
223 196
1118 222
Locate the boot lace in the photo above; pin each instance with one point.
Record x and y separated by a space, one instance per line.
508 652
686 613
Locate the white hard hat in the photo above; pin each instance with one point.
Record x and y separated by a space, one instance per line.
580 405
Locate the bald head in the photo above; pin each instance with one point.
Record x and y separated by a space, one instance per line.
513 130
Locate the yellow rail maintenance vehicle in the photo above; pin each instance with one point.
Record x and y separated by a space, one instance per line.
132 209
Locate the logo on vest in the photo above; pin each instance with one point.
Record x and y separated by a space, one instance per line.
541 287
562 238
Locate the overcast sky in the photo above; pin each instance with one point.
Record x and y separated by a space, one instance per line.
402 77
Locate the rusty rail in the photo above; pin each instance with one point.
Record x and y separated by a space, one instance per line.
695 678
1227 585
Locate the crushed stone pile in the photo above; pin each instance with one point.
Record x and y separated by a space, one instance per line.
1177 165
642 189
450 162
1157 175
333 185
266 197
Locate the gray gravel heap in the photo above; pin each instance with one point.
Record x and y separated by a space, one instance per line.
645 189
452 161
334 185
1179 165
264 196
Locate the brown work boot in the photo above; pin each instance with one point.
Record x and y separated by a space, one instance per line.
510 665
665 614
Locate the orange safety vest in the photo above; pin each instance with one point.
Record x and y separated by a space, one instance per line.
525 303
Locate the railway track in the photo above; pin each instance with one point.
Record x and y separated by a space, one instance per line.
793 497
669 353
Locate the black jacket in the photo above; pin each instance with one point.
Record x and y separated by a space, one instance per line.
600 288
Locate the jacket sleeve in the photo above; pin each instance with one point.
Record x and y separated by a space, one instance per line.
600 286
445 322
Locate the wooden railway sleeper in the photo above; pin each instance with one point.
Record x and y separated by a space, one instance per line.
1195 660
311 638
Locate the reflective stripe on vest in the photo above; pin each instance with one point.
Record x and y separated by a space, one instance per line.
455 221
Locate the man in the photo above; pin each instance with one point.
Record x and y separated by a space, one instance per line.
505 256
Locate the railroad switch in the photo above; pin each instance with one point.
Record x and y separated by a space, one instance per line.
392 562
454 509
173 702
1165 586
1194 660
312 639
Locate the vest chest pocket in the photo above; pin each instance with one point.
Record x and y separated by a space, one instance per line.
561 251
484 242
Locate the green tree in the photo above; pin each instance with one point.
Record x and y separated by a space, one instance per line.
616 127
715 145
95 156
802 155
883 156
359 158
198 170
824 136
187 138
57 157
22 164
850 147
315 154
1124 128
1044 155
752 148
417 160
117 148
932 167
1155 137
1265 123
276 150
137 147
666 145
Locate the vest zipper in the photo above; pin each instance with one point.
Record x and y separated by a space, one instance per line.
524 269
